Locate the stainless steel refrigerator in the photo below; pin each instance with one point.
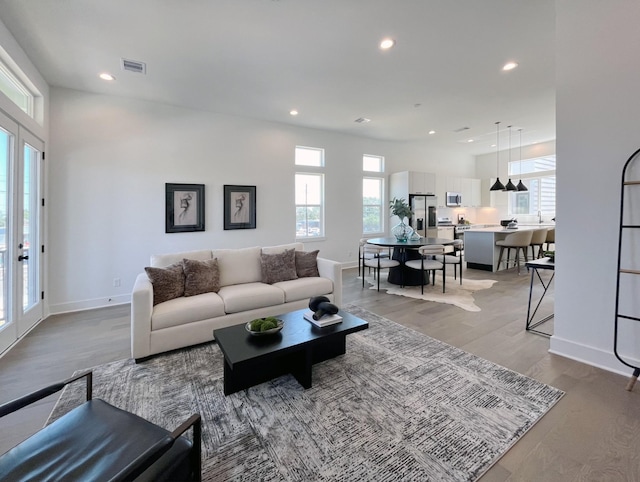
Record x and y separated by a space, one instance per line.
425 215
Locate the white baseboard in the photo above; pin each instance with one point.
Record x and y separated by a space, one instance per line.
89 304
590 355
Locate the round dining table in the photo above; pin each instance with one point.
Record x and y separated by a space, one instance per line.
404 251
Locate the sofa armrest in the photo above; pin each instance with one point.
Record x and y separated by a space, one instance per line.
141 310
333 271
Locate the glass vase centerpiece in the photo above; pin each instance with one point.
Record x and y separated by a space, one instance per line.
402 231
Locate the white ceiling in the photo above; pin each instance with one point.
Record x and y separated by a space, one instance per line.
262 58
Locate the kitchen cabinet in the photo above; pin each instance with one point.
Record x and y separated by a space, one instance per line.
493 199
469 188
403 183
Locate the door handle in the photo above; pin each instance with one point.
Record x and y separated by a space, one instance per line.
22 258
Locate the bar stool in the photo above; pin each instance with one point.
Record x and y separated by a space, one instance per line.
538 238
427 264
519 240
551 237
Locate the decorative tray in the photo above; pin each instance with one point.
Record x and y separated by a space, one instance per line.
266 332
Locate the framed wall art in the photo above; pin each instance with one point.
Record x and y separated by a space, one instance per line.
184 208
239 207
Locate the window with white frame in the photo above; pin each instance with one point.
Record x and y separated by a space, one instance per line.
539 176
309 192
16 91
372 195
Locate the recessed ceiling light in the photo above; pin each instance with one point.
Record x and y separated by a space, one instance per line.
432 132
469 140
293 112
510 66
106 76
387 43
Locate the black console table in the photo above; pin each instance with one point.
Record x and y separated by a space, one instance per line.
535 266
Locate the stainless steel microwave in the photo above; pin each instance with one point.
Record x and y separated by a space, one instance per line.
454 199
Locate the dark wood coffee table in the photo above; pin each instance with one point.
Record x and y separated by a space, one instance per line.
250 360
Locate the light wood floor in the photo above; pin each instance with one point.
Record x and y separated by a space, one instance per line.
592 434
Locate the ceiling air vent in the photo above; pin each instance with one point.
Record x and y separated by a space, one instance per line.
362 120
134 66
462 129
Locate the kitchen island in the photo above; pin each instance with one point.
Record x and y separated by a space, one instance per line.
480 250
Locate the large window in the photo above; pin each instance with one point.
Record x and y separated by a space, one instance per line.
539 175
309 195
372 195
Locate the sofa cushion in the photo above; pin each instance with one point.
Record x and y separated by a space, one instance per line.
278 267
164 260
181 311
280 248
302 288
200 276
250 296
238 266
168 283
307 263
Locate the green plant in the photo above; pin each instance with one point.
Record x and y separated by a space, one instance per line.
400 208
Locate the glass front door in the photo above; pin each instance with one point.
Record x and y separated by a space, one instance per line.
20 231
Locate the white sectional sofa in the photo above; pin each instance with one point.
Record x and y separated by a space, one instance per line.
242 296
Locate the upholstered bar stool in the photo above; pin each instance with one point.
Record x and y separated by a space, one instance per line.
551 237
538 238
519 241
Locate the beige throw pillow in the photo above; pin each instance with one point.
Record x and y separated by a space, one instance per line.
201 276
278 267
168 283
307 263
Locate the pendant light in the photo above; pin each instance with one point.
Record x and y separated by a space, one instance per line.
510 186
521 186
497 186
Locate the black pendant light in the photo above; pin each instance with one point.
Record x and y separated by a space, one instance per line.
497 186
510 186
521 186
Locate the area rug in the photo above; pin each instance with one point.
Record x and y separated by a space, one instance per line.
397 406
460 295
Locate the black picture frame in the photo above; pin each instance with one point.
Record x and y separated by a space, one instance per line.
239 207
184 211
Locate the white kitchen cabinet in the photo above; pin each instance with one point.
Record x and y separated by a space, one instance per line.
476 193
441 190
447 232
403 183
465 191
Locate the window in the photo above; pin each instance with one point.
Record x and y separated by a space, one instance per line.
16 90
309 194
539 175
372 195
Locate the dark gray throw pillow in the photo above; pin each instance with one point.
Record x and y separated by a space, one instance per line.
307 263
201 276
168 283
278 267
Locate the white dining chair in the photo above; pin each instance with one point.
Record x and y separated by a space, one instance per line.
427 264
454 258
378 262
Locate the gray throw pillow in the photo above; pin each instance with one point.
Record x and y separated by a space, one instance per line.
307 263
278 267
168 283
201 276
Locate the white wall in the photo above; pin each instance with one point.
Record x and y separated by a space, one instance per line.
111 157
598 121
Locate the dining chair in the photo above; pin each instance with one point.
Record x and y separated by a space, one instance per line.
520 241
551 238
369 251
454 258
427 264
378 262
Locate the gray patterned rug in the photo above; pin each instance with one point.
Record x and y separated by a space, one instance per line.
398 406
